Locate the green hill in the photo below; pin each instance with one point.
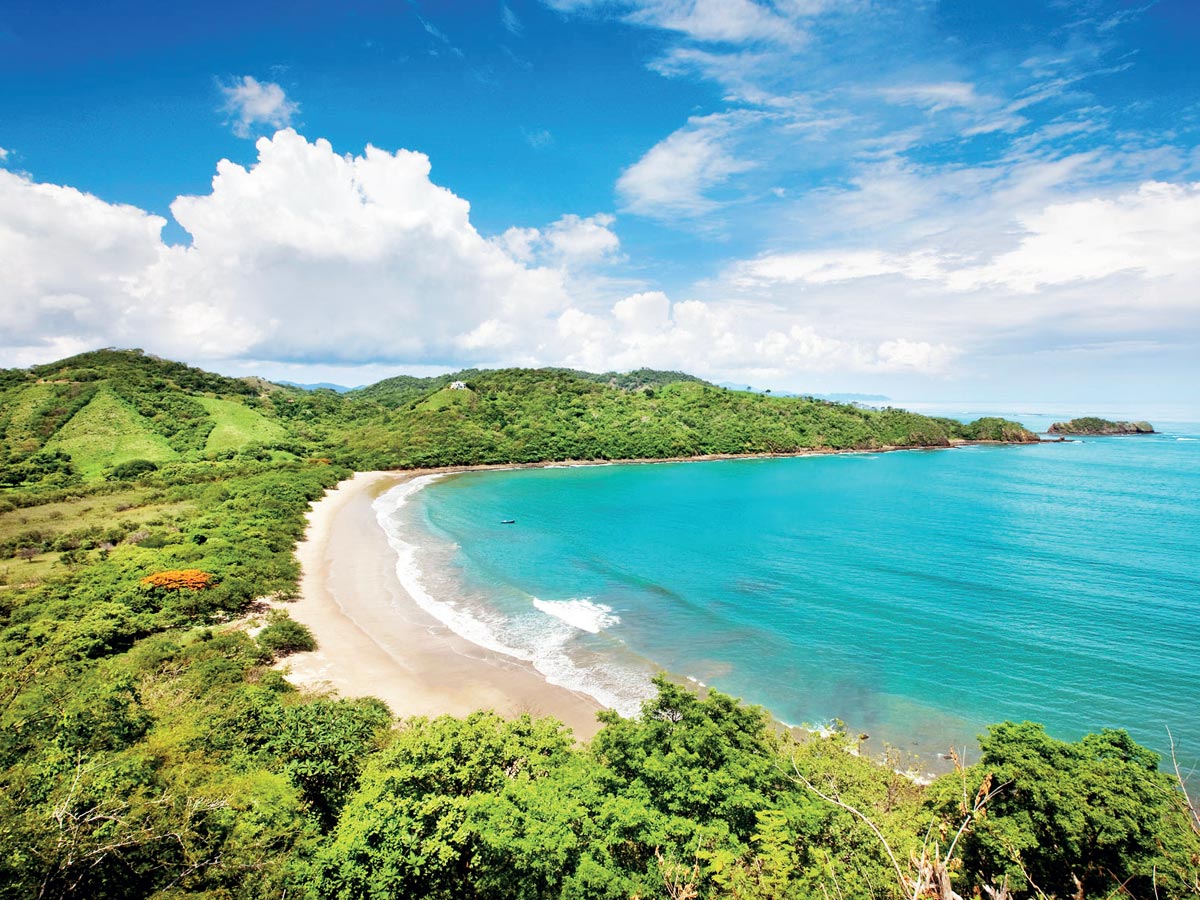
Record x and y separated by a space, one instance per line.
235 425
107 432
75 419
160 410
527 415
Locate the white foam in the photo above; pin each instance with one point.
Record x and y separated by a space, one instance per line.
582 614
542 642
457 620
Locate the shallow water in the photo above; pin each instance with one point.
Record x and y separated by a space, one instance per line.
917 596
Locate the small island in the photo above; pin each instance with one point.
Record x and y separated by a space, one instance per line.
1094 425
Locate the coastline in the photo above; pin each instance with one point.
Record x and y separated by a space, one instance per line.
373 640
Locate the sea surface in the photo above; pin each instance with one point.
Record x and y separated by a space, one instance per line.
916 596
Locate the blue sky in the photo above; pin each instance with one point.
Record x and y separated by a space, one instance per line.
934 201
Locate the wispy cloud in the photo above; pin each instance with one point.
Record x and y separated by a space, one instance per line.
537 138
673 178
253 103
440 36
511 21
711 21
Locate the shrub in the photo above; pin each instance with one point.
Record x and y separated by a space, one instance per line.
132 469
285 635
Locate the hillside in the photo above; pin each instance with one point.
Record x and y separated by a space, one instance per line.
526 415
78 419
81 418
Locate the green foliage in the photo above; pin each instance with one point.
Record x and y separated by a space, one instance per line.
421 824
1090 818
324 745
520 415
127 471
236 425
284 635
1096 425
991 428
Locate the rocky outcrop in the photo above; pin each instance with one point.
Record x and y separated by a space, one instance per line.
1093 425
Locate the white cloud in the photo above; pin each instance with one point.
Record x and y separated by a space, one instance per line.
727 21
3 156
732 21
728 340
306 255
253 103
571 242
1151 231
537 138
934 97
672 178
313 256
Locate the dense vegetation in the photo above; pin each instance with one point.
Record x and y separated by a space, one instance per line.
1095 425
149 748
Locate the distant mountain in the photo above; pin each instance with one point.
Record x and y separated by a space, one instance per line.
321 385
854 398
834 398
748 389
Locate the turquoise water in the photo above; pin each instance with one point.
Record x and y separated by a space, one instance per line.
917 596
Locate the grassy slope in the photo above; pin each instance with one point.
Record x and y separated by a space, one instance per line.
238 425
21 433
89 520
107 432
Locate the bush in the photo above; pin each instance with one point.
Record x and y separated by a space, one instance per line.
284 635
129 470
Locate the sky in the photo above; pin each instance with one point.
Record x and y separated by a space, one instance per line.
967 200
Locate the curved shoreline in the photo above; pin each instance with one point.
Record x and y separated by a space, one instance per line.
375 641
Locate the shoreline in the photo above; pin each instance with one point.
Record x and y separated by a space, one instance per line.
375 640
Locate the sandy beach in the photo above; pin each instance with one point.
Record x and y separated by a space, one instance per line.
375 641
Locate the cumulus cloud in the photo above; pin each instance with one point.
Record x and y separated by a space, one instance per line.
571 241
672 179
307 254
3 156
731 339
252 103
310 256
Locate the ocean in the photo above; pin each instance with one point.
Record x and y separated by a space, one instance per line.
915 596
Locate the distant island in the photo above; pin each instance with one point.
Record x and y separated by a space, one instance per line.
1094 425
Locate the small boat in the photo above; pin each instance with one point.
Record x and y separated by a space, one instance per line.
508 521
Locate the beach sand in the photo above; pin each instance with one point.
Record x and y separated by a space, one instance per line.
375 641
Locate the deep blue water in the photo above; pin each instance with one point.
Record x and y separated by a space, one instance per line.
917 596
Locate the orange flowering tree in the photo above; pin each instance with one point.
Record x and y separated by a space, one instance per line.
179 580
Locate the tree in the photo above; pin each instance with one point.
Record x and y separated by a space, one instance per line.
1081 819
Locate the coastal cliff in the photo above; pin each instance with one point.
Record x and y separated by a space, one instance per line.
1091 425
